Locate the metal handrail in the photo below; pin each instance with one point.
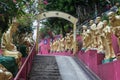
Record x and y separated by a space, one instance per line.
25 69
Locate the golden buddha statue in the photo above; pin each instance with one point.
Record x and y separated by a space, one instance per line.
71 39
86 37
107 41
92 33
55 45
5 74
28 41
58 45
7 46
51 47
68 42
99 28
62 45
115 24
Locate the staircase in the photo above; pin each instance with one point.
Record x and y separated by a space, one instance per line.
44 68
59 68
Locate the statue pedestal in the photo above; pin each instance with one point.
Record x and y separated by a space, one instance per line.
91 59
110 71
107 60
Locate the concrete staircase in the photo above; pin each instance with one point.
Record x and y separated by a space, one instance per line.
44 68
59 68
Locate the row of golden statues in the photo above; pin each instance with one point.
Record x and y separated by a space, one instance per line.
62 44
99 35
9 49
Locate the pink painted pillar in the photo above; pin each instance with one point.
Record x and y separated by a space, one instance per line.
107 71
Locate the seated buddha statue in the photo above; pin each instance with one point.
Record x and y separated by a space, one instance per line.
4 73
7 46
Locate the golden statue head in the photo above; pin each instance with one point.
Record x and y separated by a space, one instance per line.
98 19
105 23
111 16
84 27
91 22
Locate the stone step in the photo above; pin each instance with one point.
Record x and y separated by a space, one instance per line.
44 68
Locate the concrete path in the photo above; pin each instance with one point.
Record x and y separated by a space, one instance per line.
71 70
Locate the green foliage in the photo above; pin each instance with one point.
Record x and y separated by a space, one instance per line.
11 8
8 10
58 25
67 6
26 20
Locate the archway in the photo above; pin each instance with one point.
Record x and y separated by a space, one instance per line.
59 14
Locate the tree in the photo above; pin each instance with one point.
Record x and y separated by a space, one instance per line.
58 24
8 10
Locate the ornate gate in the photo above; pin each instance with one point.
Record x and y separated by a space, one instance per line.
59 14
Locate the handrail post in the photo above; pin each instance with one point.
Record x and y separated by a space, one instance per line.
37 38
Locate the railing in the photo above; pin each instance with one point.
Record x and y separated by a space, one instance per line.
25 69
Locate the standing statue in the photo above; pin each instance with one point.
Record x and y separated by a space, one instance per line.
58 45
86 37
51 47
68 42
107 41
99 28
93 41
115 24
62 45
8 48
5 74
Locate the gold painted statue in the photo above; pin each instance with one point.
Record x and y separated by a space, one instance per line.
58 45
62 45
29 42
68 41
7 46
93 41
55 46
107 41
99 28
115 24
5 74
51 47
86 37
